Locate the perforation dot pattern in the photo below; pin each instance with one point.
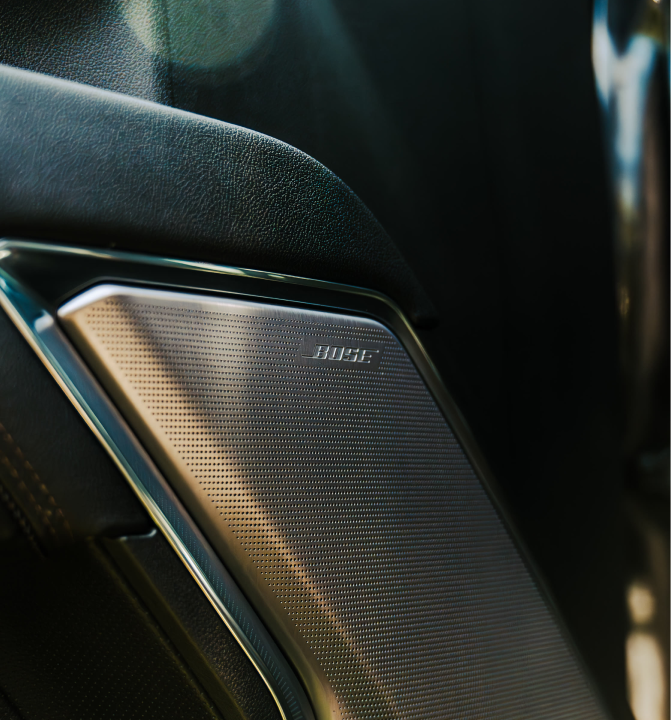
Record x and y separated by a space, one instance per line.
355 502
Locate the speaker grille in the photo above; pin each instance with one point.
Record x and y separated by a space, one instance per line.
341 492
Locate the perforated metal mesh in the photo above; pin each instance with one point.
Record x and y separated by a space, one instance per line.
352 498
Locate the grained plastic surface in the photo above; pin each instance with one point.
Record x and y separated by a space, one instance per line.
310 451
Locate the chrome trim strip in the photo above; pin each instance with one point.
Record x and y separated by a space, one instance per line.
7 245
41 331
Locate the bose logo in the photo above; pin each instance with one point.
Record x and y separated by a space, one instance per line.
341 353
346 354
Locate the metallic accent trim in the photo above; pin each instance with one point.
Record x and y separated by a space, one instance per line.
50 344
626 58
340 352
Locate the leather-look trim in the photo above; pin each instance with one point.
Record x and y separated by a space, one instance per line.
32 494
108 170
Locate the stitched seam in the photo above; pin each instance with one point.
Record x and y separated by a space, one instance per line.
44 514
45 491
21 520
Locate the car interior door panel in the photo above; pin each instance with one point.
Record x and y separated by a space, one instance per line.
332 360
314 460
